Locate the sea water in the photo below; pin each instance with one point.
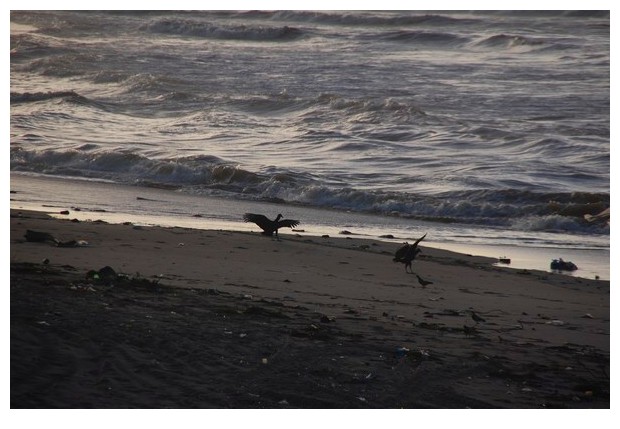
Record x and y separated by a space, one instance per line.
486 128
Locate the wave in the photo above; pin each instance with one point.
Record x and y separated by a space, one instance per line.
29 97
421 37
359 18
210 175
194 28
509 41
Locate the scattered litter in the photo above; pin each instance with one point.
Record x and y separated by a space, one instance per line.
401 352
327 319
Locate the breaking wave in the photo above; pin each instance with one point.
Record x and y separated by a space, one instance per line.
210 175
194 28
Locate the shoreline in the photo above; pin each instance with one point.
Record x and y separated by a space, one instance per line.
152 206
340 324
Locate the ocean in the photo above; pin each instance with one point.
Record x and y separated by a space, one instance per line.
482 128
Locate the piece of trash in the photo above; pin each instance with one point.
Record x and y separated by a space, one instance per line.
283 402
326 319
562 265
243 335
43 322
345 232
401 352
264 361
361 398
556 323
504 260
64 212
587 316
45 261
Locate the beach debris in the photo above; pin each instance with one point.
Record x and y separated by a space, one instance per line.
42 237
556 322
45 261
345 232
562 265
327 319
64 212
407 253
104 275
504 260
386 236
587 316
423 282
401 352
264 361
325 236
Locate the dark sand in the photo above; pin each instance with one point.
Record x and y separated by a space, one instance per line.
218 319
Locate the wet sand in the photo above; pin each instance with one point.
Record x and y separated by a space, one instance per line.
219 319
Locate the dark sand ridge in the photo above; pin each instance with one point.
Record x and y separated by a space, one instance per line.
233 320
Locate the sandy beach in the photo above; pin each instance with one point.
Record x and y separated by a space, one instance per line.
124 316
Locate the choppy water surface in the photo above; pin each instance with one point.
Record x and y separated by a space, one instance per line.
496 119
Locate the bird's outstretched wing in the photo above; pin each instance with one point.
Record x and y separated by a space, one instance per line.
291 223
258 219
418 240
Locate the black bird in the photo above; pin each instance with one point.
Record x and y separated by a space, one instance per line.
269 226
477 318
423 282
407 253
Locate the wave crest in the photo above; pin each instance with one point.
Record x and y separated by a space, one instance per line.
193 28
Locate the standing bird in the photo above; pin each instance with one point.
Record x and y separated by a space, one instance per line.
407 253
423 282
269 226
